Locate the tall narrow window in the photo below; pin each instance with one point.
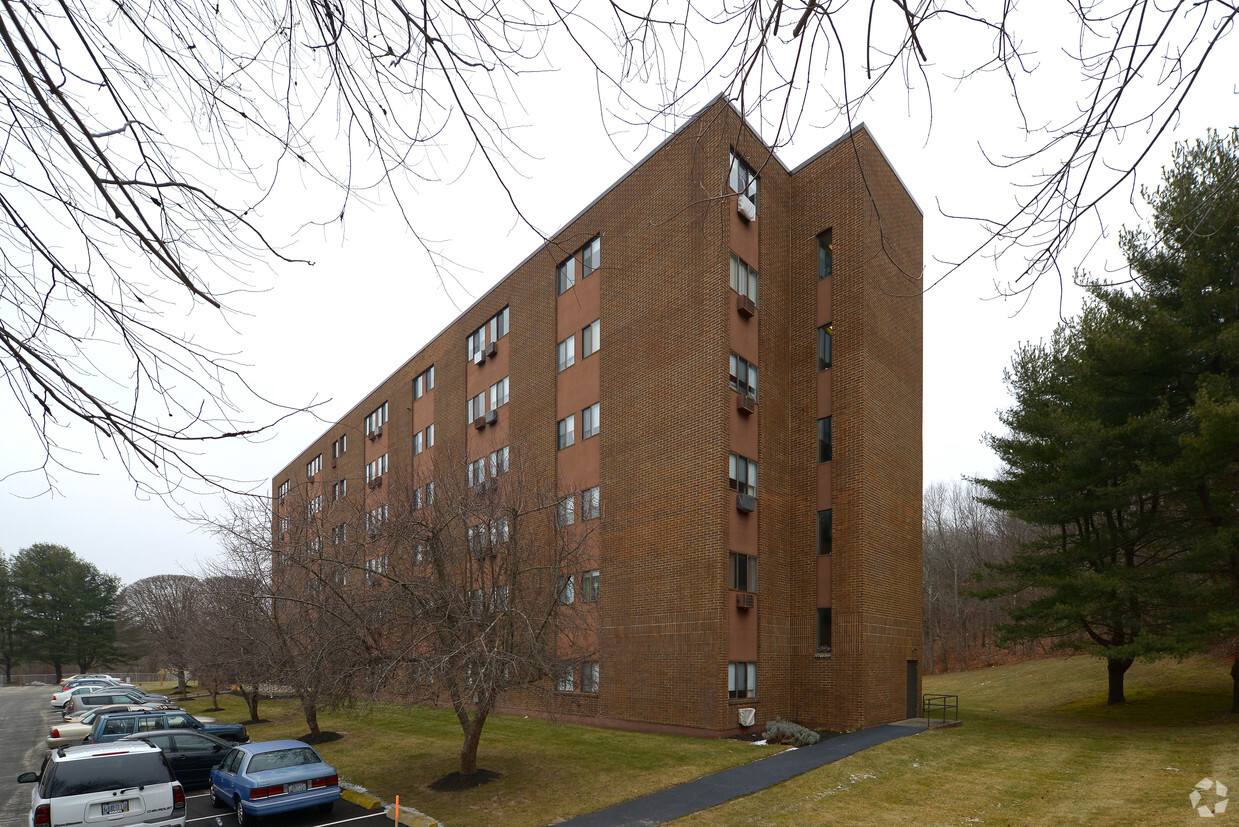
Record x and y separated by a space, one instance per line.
589 676
566 590
743 376
565 513
825 254
589 256
376 420
743 278
476 406
314 466
499 325
417 443
567 431
567 353
589 503
825 531
824 335
743 179
823 439
742 680
823 630
743 572
567 274
590 586
499 394
589 421
590 338
424 382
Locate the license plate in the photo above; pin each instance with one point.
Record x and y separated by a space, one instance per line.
115 807
299 787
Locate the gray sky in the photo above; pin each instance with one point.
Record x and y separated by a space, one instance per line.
370 279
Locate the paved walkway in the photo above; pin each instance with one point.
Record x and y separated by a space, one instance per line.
740 781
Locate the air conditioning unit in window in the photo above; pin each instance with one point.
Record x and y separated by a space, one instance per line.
376 433
479 423
748 715
491 350
744 600
491 417
746 208
333 462
746 404
746 503
746 306
376 482
479 356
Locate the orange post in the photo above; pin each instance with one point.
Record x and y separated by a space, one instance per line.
397 809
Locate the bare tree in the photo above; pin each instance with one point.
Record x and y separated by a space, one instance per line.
234 644
144 141
160 612
482 575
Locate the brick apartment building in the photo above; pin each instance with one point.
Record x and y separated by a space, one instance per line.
759 542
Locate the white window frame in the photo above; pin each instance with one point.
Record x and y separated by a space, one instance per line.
590 256
591 338
565 274
742 679
743 376
566 353
742 474
591 586
590 502
566 436
589 421
743 278
499 394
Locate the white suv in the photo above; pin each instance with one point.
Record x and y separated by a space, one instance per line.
113 784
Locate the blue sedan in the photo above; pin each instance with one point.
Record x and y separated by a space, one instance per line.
272 777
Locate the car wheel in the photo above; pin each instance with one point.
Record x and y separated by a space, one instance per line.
245 819
216 801
325 809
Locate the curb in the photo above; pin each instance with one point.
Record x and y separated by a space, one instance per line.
409 816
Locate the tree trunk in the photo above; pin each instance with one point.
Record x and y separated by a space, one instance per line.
1117 668
469 751
311 717
251 700
215 696
1234 677
182 685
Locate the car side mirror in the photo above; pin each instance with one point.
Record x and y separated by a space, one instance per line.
27 778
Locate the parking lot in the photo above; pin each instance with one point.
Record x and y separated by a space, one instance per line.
26 716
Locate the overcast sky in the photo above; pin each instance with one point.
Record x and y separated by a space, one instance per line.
371 286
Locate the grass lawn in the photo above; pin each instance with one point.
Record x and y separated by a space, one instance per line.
549 770
1038 746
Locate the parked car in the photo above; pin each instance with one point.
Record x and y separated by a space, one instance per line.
114 725
75 729
80 676
61 696
121 786
105 696
192 754
272 777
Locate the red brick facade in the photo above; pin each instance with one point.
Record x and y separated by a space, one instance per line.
669 623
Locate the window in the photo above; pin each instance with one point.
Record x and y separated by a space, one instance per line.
499 325
420 555
825 531
499 531
589 676
425 381
589 421
477 537
567 353
499 461
567 435
376 420
375 520
475 472
824 335
430 435
823 630
339 534
282 491
825 254
475 344
339 490
499 394
743 572
742 680
589 256
743 179
286 525
476 406
430 493
566 273
376 567
313 507
743 278
589 503
376 469
339 446
742 474
589 586
314 466
743 376
823 439
590 338
564 682
418 494
565 511
565 590
417 443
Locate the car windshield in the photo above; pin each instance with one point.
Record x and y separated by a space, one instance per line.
283 758
108 772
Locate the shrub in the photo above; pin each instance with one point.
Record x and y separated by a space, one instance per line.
779 731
